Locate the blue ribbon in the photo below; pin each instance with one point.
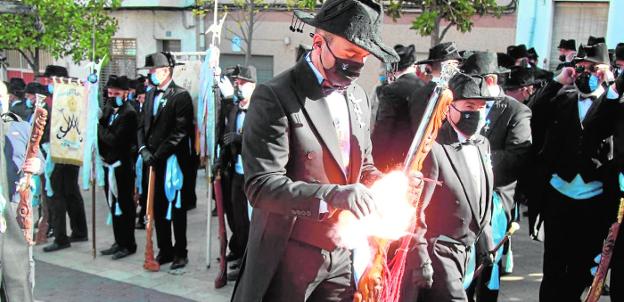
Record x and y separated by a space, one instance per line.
499 228
173 183
48 169
138 181
117 209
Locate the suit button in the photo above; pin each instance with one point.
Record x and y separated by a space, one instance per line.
309 155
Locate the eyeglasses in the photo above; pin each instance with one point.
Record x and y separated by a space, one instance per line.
581 68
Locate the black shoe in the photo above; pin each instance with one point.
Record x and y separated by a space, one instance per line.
111 250
233 275
140 225
236 264
55 247
179 263
78 239
163 259
124 252
231 257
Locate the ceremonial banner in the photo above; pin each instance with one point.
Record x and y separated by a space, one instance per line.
68 123
186 77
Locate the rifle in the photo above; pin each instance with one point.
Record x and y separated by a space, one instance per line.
595 290
43 225
512 229
24 208
150 264
221 280
381 282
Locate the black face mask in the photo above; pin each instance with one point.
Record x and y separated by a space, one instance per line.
562 58
586 83
469 121
344 71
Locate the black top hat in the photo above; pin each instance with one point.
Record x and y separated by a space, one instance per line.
407 55
358 21
595 40
482 63
16 87
518 51
442 52
465 54
55 71
159 59
567 44
533 53
505 60
619 51
118 82
519 77
241 72
36 88
597 53
466 87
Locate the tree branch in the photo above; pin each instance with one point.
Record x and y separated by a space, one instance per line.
28 60
448 26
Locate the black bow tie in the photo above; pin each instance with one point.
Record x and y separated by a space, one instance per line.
158 91
468 142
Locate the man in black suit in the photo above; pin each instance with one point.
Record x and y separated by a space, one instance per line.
306 155
522 58
117 145
519 84
577 183
392 135
507 128
231 166
567 52
451 217
444 53
164 140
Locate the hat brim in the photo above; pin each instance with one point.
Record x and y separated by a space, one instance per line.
381 51
591 60
150 67
429 61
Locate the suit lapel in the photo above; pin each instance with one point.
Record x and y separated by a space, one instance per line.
166 95
486 177
591 112
148 110
318 113
356 127
492 118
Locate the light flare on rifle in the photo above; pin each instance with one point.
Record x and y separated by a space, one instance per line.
392 220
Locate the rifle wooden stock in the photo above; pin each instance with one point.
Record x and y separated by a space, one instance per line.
221 280
381 282
150 263
41 236
595 289
24 208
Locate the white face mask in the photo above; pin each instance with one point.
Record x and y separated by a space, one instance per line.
4 99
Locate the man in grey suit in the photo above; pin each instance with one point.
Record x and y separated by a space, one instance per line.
307 158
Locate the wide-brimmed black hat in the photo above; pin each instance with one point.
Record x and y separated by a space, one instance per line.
407 55
595 40
517 51
56 71
114 81
519 77
16 87
598 54
466 87
358 21
505 60
482 63
159 59
619 51
567 44
247 73
442 52
533 53
36 88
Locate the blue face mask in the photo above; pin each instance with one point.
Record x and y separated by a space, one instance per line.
130 96
118 101
153 79
29 103
51 88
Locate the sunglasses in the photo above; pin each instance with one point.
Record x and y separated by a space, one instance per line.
581 68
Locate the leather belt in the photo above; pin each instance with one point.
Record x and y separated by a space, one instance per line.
315 233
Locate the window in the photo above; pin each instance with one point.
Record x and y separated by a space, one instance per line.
123 59
169 45
263 64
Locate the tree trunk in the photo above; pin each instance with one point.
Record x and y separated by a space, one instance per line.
250 29
36 66
435 34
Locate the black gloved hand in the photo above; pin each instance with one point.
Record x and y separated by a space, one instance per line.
355 198
423 277
231 138
487 258
148 158
619 84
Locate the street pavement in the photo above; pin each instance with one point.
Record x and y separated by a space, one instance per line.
73 274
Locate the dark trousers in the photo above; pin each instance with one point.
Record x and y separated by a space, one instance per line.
308 273
449 266
67 199
123 225
240 216
163 226
226 192
617 269
479 291
574 232
143 196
